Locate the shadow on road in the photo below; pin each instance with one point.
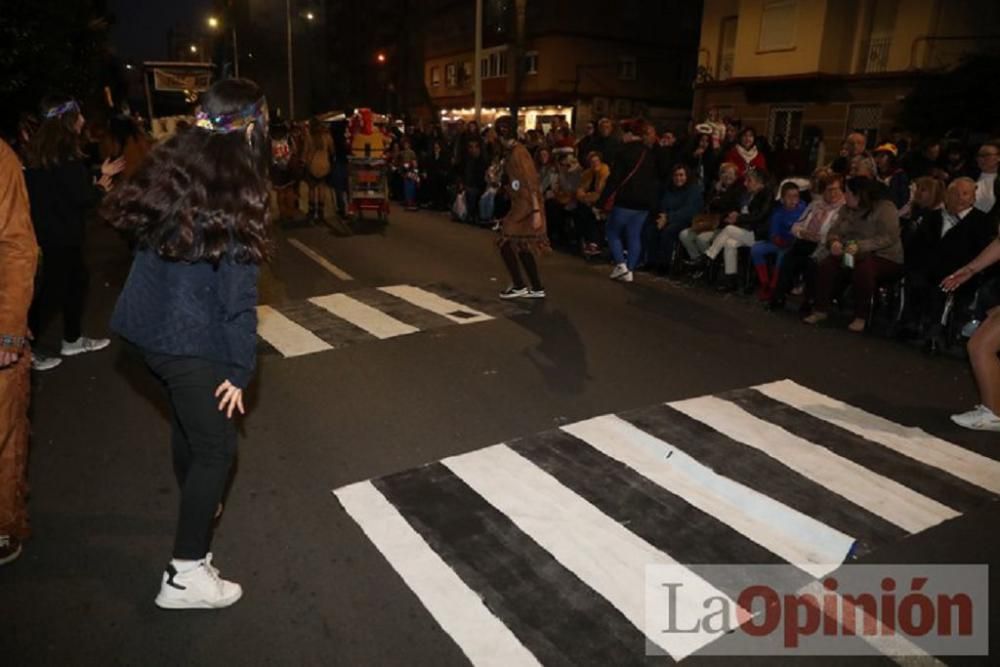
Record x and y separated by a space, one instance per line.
560 356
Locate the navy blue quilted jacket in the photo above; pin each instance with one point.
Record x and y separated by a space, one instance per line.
192 310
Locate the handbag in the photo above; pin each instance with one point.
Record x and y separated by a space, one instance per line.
609 203
705 222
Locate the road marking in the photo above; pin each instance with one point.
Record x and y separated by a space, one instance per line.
363 316
457 608
287 337
319 259
855 483
601 552
452 310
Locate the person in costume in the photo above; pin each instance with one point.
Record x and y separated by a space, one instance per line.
523 236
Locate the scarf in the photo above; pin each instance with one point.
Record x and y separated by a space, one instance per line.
747 155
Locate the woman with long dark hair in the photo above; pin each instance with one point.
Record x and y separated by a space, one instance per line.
198 210
62 192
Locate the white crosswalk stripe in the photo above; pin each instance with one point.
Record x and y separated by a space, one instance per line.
554 532
334 321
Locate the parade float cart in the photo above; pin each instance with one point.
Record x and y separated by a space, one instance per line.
367 166
172 90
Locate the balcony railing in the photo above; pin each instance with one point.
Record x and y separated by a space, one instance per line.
876 54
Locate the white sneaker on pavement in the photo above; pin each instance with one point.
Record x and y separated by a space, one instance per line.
979 418
83 345
619 271
42 362
535 294
200 587
626 277
514 292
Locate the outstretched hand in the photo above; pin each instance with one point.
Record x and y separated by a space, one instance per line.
957 279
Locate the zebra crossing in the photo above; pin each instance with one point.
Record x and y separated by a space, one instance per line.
337 320
534 551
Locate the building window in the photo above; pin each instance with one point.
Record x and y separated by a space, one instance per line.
494 65
531 62
435 77
467 71
451 75
777 25
626 68
785 123
866 119
727 47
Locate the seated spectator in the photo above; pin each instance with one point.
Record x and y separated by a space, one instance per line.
810 233
680 203
925 161
779 239
560 207
956 163
862 166
947 239
864 245
742 227
724 196
633 187
987 185
701 157
745 154
928 196
891 175
854 145
592 183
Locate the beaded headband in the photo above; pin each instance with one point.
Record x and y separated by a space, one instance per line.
63 108
235 121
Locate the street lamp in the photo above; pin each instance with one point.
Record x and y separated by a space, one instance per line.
380 58
214 23
193 48
310 16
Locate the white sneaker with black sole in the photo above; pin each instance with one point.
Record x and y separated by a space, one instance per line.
979 418
514 292
43 362
83 345
199 587
535 294
619 271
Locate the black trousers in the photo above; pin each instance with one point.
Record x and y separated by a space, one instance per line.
62 284
203 442
797 261
511 258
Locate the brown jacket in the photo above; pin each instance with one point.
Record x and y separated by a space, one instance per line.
875 231
517 227
18 252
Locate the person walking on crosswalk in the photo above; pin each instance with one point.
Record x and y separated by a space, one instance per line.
523 235
198 209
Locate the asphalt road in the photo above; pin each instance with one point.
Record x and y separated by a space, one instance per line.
316 590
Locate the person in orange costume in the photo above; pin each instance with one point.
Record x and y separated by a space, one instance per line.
18 261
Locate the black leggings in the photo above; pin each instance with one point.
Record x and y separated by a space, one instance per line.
63 284
203 442
510 259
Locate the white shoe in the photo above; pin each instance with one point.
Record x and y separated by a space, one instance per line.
41 362
514 292
83 344
535 294
626 277
619 271
198 588
979 418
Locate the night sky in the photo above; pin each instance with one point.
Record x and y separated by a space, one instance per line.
141 29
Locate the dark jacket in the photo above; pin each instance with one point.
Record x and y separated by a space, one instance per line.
194 310
683 205
928 252
472 171
61 196
758 215
640 192
725 201
608 147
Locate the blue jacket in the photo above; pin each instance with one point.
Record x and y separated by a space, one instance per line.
782 220
194 310
683 204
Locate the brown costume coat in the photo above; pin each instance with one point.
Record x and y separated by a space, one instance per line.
517 227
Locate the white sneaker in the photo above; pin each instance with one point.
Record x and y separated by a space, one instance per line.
619 271
83 344
626 277
514 292
979 418
198 588
41 362
535 294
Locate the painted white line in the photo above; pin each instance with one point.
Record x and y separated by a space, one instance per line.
605 555
974 468
855 483
436 304
319 259
798 538
456 607
363 316
286 336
